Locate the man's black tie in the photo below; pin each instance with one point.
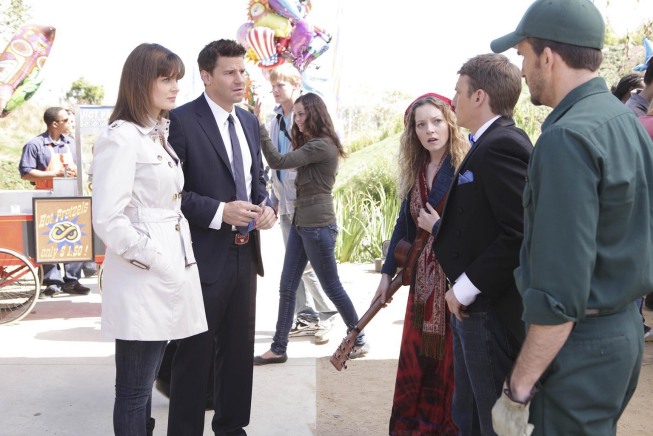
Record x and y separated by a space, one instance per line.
237 168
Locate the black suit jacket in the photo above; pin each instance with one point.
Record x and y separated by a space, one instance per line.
196 139
481 230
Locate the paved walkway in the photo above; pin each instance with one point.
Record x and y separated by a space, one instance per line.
57 370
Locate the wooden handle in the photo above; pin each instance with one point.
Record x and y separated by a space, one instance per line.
405 254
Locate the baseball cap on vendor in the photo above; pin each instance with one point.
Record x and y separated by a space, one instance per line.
574 22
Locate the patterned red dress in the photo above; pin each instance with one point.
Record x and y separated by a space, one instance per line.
424 385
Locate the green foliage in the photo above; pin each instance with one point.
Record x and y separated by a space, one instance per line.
25 122
13 14
11 177
365 218
367 206
380 118
528 116
384 153
83 92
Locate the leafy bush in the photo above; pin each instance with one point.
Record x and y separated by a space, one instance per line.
528 116
366 212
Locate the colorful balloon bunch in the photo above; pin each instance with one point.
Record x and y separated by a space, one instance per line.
278 31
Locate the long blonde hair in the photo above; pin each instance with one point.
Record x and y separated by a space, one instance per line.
411 152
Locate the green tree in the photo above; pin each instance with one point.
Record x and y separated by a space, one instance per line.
83 92
13 14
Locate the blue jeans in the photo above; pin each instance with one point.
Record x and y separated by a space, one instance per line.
137 363
484 353
310 298
316 244
52 275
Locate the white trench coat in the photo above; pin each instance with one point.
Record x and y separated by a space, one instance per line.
150 287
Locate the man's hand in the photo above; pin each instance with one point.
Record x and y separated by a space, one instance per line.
457 309
239 213
266 220
427 218
510 418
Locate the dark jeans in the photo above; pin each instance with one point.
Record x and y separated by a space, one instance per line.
484 353
316 244
137 363
52 275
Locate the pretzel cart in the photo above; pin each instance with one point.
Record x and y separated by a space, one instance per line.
36 227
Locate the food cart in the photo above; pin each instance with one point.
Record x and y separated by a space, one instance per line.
36 227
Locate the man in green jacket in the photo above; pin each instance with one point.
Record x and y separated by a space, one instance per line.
588 234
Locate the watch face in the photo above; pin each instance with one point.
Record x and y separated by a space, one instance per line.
256 10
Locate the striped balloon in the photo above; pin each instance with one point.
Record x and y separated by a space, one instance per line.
261 40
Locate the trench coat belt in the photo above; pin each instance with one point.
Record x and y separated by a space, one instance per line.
158 215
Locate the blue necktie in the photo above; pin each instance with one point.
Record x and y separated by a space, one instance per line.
471 139
237 168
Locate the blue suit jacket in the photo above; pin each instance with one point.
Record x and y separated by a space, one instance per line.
196 139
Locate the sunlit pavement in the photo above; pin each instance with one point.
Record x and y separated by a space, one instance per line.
57 371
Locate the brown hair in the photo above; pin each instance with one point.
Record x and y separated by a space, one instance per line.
209 55
411 152
144 65
318 123
498 77
579 58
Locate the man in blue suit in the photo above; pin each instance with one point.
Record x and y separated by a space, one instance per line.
479 237
226 204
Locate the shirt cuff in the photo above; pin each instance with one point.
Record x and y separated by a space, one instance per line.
216 223
464 290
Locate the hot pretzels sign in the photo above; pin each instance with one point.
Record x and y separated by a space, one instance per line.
63 230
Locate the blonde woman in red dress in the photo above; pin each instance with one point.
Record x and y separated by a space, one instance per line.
432 146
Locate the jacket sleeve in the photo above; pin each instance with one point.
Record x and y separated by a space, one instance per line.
315 150
198 209
503 176
399 232
264 137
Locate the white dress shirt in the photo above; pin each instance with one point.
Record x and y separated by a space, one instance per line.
463 288
222 119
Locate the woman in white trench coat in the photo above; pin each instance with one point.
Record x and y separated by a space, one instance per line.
151 289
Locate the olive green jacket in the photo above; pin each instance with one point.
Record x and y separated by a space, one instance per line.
317 166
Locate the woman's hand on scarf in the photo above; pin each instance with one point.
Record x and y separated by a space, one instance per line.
427 218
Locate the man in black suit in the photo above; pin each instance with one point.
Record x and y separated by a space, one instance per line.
219 146
479 236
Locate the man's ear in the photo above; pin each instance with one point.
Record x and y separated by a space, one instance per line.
546 57
206 77
480 96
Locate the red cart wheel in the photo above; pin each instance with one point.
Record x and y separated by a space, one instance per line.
19 286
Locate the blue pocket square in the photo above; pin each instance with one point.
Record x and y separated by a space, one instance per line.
465 177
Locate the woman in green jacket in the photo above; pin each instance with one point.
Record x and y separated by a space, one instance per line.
316 154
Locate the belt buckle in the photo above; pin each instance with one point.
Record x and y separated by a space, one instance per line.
241 239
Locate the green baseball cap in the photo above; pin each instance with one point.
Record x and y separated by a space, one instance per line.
574 22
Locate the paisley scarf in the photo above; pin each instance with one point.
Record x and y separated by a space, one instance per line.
430 282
